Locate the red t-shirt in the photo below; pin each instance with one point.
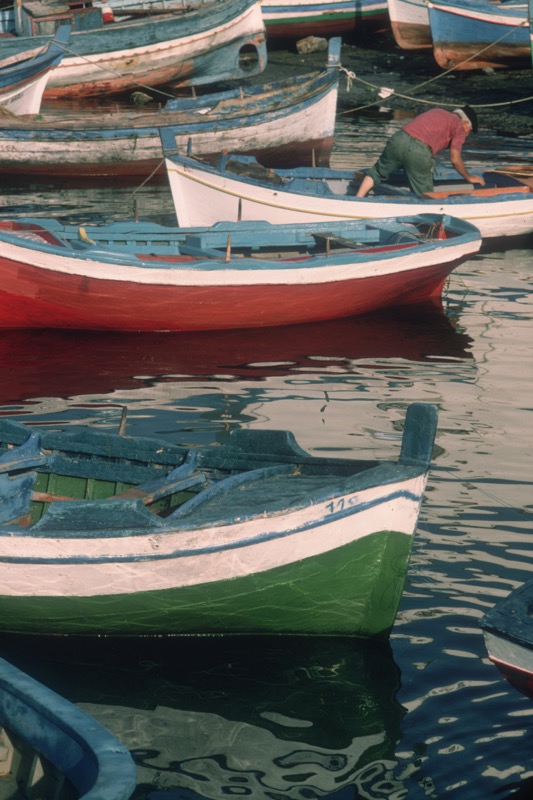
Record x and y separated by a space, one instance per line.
438 129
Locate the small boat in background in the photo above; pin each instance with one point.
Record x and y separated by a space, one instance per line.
23 78
289 122
146 277
409 21
50 748
213 42
295 19
475 34
239 188
508 633
102 533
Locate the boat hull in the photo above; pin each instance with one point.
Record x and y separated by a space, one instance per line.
513 660
409 21
46 285
23 80
80 302
285 124
105 534
202 196
316 18
298 578
469 35
49 742
507 631
205 45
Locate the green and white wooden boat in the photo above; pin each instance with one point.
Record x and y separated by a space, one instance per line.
104 534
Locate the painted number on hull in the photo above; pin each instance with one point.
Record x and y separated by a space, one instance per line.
336 505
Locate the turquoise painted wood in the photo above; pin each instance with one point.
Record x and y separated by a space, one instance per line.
46 740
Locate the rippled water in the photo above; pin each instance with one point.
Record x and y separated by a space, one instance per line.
427 716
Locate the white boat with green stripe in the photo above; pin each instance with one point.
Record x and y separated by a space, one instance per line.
103 534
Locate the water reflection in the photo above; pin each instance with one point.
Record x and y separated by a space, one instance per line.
287 720
67 363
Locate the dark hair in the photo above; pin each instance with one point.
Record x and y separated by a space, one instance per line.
472 116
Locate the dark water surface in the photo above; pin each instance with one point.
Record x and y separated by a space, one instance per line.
425 716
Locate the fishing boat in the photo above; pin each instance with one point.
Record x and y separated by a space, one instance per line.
147 277
254 536
283 18
286 122
294 19
508 633
213 42
475 34
409 21
51 748
23 79
239 188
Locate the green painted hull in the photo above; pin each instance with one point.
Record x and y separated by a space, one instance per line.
354 590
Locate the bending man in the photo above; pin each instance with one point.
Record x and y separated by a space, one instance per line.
414 146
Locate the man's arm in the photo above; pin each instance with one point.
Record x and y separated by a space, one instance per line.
458 163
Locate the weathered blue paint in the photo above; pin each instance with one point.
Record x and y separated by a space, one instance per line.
21 72
103 144
90 758
139 35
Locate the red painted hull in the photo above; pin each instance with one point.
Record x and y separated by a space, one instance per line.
520 679
39 298
464 56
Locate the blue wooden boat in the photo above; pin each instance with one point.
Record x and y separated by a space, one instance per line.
475 34
289 122
215 41
105 534
23 80
508 633
49 748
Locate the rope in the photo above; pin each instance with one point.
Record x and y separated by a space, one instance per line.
384 92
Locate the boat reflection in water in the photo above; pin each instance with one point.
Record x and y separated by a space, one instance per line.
209 718
68 363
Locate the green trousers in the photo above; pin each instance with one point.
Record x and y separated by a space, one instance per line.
412 155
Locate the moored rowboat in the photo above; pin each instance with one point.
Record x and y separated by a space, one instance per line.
251 537
239 189
508 633
475 34
146 277
23 79
217 41
289 122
